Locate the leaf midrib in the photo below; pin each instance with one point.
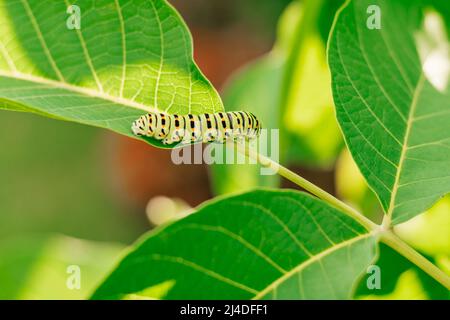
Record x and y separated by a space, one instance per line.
409 124
70 87
161 54
87 56
308 262
124 50
7 57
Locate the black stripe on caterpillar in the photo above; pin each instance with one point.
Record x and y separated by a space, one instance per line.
206 127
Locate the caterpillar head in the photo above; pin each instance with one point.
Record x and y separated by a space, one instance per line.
144 125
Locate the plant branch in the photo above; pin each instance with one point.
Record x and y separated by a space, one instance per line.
305 184
386 235
412 255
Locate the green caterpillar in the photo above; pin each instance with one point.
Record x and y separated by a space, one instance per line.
206 127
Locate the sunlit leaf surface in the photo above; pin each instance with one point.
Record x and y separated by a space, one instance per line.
127 58
395 121
258 245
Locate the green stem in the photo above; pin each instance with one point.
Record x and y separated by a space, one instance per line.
308 186
412 255
387 236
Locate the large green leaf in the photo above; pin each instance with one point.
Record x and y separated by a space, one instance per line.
261 244
395 121
129 57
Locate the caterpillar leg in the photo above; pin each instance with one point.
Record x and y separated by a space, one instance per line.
240 139
209 135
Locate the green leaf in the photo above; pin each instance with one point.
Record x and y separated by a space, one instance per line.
260 245
428 232
393 112
326 17
128 58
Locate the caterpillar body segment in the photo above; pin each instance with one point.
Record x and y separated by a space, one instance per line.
206 127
